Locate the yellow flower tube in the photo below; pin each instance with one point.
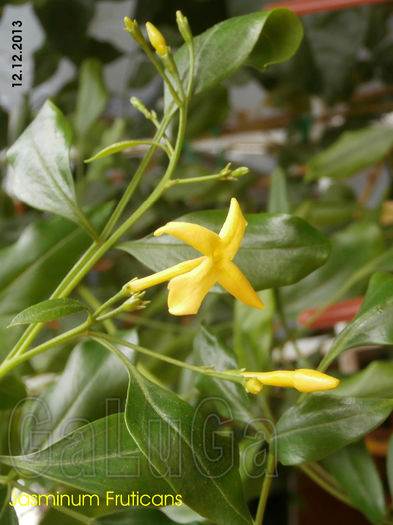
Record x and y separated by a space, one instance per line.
303 379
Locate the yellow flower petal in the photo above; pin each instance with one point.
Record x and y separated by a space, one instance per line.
306 380
232 231
169 273
187 291
237 284
199 237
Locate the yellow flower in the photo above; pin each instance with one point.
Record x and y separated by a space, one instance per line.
156 38
303 379
191 280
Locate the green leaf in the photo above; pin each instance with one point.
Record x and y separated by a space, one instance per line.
92 95
231 398
322 424
118 146
354 469
277 250
41 174
92 377
372 324
33 266
351 153
12 390
376 380
258 39
96 458
139 516
48 311
278 194
207 477
352 250
7 513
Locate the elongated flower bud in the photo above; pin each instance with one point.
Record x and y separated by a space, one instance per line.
306 380
132 27
184 28
303 379
157 40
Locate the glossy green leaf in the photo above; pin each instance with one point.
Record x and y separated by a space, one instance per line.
96 458
278 193
355 470
258 39
277 250
352 250
7 513
178 443
373 323
322 424
32 267
92 95
48 311
351 153
376 380
12 390
92 381
41 174
231 399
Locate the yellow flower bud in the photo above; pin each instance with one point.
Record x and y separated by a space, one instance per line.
306 380
156 39
183 26
128 23
253 386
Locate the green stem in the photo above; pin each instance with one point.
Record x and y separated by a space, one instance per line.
194 180
92 301
114 299
65 510
226 375
135 180
8 365
267 481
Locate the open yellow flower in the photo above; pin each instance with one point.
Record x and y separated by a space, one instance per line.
191 280
303 379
